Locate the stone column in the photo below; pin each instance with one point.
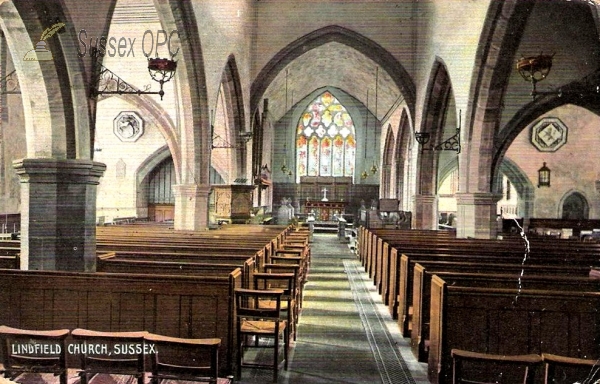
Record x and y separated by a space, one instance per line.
58 213
425 212
191 207
476 216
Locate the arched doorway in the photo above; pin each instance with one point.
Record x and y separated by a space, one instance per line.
161 200
575 207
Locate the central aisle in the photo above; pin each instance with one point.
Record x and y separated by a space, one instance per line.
345 333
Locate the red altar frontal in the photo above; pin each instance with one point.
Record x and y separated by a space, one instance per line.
325 210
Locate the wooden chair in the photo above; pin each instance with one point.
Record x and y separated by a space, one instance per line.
112 353
287 283
295 269
479 368
189 359
28 351
563 369
256 322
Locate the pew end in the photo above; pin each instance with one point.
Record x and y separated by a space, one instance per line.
479 368
50 358
174 358
570 369
112 353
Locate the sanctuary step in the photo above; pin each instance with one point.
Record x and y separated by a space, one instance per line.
326 227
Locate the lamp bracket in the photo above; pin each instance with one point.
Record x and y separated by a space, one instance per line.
106 82
220 143
450 144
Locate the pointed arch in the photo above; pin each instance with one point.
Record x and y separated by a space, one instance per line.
502 31
50 128
228 124
403 161
574 206
521 182
387 179
191 79
439 91
341 35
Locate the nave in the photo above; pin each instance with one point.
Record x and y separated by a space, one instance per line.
345 333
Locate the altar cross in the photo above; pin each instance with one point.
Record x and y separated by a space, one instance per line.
324 190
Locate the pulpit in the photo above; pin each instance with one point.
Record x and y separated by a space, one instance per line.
233 203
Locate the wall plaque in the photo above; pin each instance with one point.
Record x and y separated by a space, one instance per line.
549 134
128 126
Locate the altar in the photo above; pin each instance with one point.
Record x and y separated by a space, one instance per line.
325 210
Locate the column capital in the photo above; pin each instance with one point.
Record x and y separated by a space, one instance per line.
192 190
59 171
480 198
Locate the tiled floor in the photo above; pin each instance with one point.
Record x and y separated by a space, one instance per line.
345 333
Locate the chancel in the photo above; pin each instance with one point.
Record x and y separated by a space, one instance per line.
160 158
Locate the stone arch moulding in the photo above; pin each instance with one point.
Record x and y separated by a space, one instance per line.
500 38
341 35
521 182
404 145
194 123
387 178
235 101
44 137
146 105
439 90
534 110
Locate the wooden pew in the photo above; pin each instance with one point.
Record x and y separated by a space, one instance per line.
474 367
176 306
407 263
115 263
10 262
493 276
490 320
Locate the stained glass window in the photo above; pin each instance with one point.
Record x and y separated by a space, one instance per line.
325 142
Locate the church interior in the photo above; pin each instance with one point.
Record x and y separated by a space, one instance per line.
422 124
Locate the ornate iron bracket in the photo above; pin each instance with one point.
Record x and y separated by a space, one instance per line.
106 82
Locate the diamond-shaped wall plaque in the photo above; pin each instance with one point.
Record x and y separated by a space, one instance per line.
549 134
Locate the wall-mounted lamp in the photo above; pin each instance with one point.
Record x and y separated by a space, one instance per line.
544 176
450 144
534 69
106 82
374 168
364 175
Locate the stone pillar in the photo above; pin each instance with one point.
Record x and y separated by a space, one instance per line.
58 213
425 212
476 216
191 207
